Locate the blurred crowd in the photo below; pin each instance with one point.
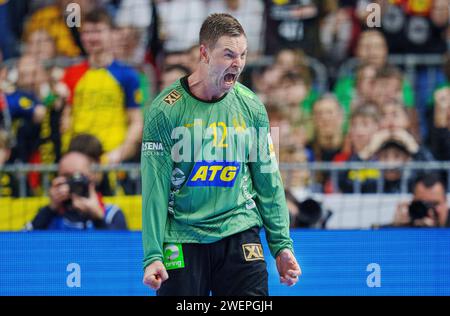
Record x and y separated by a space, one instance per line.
59 82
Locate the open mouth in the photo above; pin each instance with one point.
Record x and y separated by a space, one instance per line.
230 78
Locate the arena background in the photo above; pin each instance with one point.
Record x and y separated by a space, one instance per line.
410 262
299 51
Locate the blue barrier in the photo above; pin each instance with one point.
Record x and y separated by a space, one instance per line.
410 262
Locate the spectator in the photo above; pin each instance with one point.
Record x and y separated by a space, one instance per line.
134 17
419 152
364 124
132 20
289 143
31 76
129 46
74 202
293 24
328 135
291 91
5 147
396 147
136 13
440 132
338 33
3 85
328 138
429 206
387 85
54 97
414 26
364 80
90 146
8 182
397 152
24 109
293 60
104 94
35 118
395 118
40 45
250 15
265 80
171 74
184 58
371 49
437 116
8 41
52 18
290 71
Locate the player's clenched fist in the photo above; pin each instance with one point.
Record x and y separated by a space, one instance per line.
155 274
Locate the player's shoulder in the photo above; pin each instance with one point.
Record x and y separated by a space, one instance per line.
171 96
167 102
244 91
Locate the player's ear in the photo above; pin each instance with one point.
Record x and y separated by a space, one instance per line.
204 53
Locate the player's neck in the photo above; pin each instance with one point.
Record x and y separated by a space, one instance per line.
201 88
100 60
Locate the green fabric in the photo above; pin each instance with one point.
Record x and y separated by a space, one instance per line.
190 202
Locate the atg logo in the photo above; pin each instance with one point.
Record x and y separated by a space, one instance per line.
214 174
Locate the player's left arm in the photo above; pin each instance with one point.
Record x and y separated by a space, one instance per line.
271 202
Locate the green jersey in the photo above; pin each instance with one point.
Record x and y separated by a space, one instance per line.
209 171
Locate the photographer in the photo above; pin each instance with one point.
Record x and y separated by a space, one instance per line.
74 202
429 207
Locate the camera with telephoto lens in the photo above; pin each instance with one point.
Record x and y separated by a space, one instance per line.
419 209
79 184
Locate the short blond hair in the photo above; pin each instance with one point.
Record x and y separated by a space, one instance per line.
217 25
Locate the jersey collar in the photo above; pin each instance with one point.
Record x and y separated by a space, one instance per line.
185 85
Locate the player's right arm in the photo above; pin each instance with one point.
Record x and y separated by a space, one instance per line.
156 169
